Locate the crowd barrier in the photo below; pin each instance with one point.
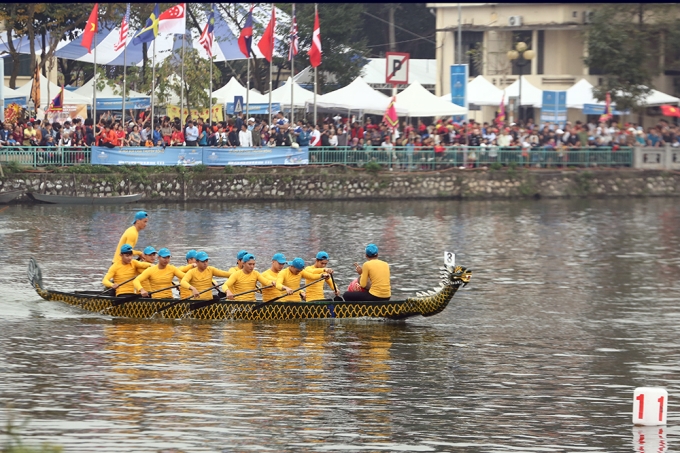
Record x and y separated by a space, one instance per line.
405 158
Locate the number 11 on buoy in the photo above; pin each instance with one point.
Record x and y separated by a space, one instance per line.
649 406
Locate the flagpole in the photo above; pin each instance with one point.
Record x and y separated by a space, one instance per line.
292 73
271 64
212 9
153 87
124 80
315 13
181 89
94 83
248 90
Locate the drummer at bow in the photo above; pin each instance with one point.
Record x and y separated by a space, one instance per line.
121 274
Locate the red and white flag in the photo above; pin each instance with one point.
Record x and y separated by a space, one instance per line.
315 51
173 20
122 38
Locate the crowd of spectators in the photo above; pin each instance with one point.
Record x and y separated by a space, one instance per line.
334 132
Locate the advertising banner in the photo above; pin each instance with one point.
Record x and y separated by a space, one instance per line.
181 155
217 113
117 103
69 112
255 109
554 108
459 80
170 156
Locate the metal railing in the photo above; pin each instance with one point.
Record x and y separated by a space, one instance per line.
402 157
36 156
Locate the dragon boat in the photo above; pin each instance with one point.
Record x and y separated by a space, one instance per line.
423 304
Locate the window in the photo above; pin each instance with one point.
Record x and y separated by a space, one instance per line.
471 41
24 65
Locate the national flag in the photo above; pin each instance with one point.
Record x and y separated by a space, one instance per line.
150 30
607 109
35 88
173 20
293 50
391 117
245 38
208 34
670 110
122 37
90 29
500 119
266 43
315 51
57 104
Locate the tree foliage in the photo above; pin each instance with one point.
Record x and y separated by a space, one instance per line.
625 42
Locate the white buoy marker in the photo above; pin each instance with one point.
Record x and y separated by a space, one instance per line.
649 406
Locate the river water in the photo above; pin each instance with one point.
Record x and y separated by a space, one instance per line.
572 305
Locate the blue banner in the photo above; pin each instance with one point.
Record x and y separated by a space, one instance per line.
554 108
20 101
117 103
459 80
255 109
279 155
597 109
180 155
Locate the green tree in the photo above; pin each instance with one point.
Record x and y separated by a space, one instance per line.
625 43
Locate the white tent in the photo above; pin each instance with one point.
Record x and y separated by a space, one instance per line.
531 95
107 92
482 92
581 93
300 95
234 88
659 98
419 102
69 97
358 96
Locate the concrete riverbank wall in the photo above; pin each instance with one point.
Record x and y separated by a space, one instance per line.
341 183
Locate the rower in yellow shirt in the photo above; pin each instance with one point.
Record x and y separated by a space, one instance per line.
132 234
278 262
315 291
377 273
288 279
149 255
124 272
191 263
201 278
245 280
239 261
158 277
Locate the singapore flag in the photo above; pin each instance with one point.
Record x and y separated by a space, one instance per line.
173 20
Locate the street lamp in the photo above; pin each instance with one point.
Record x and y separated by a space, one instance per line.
522 56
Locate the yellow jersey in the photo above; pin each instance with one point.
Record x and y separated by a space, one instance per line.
240 282
156 278
120 272
315 292
271 293
202 280
286 278
129 237
378 272
183 292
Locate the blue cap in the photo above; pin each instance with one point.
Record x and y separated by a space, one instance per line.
241 254
126 248
297 263
279 258
201 256
371 250
322 256
164 253
247 257
140 215
191 254
149 250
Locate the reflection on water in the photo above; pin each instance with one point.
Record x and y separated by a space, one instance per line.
572 305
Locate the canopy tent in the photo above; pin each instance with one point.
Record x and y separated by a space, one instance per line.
69 97
658 98
482 92
225 45
300 95
581 93
420 103
106 92
358 96
233 88
531 96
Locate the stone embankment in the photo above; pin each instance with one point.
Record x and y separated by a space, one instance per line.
338 183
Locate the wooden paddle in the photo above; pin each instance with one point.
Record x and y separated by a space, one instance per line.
262 304
184 299
119 302
337 297
109 289
224 298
